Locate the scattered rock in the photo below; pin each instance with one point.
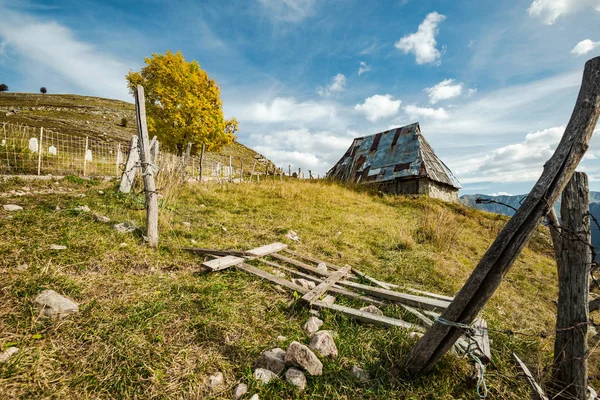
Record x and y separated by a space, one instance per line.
125 227
281 338
322 267
254 397
100 192
591 394
194 241
316 313
240 390
8 353
264 375
299 355
187 224
308 285
57 208
202 206
273 360
216 380
80 195
312 325
83 208
296 377
224 229
415 335
101 218
372 309
329 300
58 247
12 207
53 304
123 244
292 236
278 273
323 343
360 373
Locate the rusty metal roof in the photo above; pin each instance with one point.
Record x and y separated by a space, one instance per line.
400 153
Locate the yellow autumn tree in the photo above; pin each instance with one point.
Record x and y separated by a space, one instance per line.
182 104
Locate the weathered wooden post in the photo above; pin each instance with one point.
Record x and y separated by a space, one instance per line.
572 318
130 166
154 151
252 173
201 162
299 172
147 169
498 259
289 170
186 159
230 170
241 171
266 170
85 154
310 174
39 169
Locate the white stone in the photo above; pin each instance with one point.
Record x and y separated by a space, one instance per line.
415 335
100 192
372 309
316 313
216 380
312 325
299 355
101 218
83 208
254 397
264 375
308 285
123 244
323 343
12 207
359 373
296 377
8 353
125 227
281 338
240 390
58 247
53 304
273 360
292 236
329 300
187 224
322 267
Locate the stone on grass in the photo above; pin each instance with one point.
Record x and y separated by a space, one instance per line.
323 343
372 309
125 227
12 207
58 247
264 375
296 377
8 353
299 355
101 218
101 192
187 224
278 273
254 397
240 390
359 373
316 313
216 380
281 338
53 304
415 335
312 325
83 208
322 267
292 236
329 300
308 285
273 360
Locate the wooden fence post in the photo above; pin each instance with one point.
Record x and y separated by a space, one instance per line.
40 152
252 173
289 170
241 171
201 162
130 166
498 259
186 159
117 156
85 156
572 317
147 169
230 169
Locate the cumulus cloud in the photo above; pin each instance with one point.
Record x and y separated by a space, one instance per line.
471 92
422 43
338 84
585 46
378 107
550 10
363 68
289 10
288 109
444 90
416 112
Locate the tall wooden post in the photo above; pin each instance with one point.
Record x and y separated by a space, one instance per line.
289 170
186 159
252 173
147 169
241 171
230 170
498 259
570 346
130 166
202 162
39 169
85 156
117 156
299 172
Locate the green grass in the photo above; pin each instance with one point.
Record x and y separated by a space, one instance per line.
150 326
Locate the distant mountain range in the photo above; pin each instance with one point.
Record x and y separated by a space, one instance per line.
515 201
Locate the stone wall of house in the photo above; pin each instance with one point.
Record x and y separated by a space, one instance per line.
423 186
442 192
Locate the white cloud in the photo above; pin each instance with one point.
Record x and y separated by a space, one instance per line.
416 112
50 47
378 106
287 109
550 10
444 90
422 43
501 194
289 10
363 68
471 92
338 84
585 46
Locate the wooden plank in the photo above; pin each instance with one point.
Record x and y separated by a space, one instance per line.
267 250
429 294
482 340
403 298
299 264
569 370
272 278
507 246
131 166
424 319
215 252
322 287
223 262
534 385
368 317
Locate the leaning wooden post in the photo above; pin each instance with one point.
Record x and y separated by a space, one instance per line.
130 166
201 162
498 259
572 317
40 152
147 169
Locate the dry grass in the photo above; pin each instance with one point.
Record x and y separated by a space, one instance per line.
150 327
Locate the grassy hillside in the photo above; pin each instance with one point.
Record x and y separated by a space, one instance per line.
150 326
85 116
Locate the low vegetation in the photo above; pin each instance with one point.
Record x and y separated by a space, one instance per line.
150 326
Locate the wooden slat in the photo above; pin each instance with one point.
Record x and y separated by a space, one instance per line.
215 252
299 264
272 278
482 341
368 317
426 320
322 287
403 298
432 295
534 385
223 262
266 250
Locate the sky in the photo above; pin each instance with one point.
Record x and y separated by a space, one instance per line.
492 83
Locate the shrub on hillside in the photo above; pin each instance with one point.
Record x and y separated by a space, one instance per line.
124 122
43 90
3 87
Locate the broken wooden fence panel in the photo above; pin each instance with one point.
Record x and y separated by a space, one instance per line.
534 385
267 250
498 259
481 340
316 293
223 262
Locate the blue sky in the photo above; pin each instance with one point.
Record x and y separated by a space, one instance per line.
492 83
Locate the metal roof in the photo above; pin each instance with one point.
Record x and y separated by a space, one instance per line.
400 153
